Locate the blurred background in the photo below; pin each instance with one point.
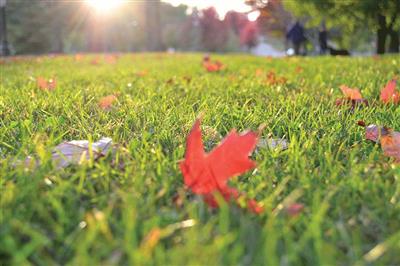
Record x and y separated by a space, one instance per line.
260 27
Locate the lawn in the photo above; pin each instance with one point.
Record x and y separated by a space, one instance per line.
132 207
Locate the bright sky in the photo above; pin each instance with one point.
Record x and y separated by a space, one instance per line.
222 6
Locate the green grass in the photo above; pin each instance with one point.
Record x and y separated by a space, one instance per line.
99 213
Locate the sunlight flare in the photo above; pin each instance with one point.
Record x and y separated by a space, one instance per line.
104 6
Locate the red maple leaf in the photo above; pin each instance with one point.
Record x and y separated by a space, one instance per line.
208 173
389 93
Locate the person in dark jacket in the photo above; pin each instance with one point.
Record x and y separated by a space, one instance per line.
296 36
323 39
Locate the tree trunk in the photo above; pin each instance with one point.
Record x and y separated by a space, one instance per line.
3 32
381 35
394 44
153 26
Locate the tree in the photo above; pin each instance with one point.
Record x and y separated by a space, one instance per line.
4 49
249 35
41 26
153 26
242 28
214 33
236 21
190 35
174 22
27 32
273 16
381 16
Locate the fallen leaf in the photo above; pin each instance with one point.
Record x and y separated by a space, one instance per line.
353 98
353 103
215 66
150 241
231 194
259 72
156 234
254 206
78 57
390 143
46 84
142 73
299 69
352 94
373 132
106 102
274 79
170 81
273 143
389 139
208 173
212 66
389 93
294 209
41 82
111 59
95 61
74 152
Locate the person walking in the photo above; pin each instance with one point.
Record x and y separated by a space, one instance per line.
323 39
297 37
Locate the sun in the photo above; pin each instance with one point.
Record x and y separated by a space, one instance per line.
104 6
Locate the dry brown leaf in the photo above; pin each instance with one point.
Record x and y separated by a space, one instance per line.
156 234
106 102
390 143
46 84
351 93
389 139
